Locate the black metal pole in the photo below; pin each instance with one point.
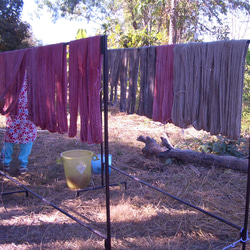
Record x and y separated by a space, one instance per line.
244 230
16 192
102 179
244 234
106 149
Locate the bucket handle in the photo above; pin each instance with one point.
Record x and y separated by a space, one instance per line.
95 157
60 159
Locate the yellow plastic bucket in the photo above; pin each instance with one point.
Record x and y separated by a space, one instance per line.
77 168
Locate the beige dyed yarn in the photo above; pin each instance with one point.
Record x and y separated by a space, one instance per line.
208 86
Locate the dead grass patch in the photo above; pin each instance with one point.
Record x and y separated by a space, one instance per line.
141 218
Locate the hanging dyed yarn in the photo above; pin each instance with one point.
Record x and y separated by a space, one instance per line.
47 87
208 86
163 91
147 75
133 60
12 72
85 64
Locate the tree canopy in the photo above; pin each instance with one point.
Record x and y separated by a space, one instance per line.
151 22
14 34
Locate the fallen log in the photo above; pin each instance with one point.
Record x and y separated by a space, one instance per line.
151 146
168 151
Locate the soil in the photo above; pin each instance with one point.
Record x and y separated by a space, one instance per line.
141 217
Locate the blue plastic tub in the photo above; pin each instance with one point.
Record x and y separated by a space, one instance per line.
97 165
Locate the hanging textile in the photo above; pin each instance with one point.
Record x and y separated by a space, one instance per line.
47 87
178 88
147 74
163 91
208 86
133 61
114 60
85 64
118 66
123 68
12 71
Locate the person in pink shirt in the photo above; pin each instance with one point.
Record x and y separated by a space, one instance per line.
19 130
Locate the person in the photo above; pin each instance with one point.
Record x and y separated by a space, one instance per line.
19 130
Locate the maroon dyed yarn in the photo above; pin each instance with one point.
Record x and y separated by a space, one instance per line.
85 64
163 92
12 72
47 87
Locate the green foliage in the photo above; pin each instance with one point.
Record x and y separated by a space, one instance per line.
76 9
113 29
246 91
139 25
219 145
126 20
140 38
81 33
221 32
245 121
14 34
224 146
245 125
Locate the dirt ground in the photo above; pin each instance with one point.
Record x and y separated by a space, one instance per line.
141 217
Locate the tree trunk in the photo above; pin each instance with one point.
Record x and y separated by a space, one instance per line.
172 23
152 148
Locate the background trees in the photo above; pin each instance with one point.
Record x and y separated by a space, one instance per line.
14 34
152 22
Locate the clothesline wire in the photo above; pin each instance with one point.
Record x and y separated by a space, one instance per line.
244 236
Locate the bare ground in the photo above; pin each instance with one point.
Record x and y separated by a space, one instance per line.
141 218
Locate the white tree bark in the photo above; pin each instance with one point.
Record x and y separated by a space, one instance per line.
172 23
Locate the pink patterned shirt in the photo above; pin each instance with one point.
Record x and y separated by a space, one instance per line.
19 129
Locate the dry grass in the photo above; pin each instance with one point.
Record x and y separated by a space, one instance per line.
141 218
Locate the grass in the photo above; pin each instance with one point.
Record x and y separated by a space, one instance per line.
141 218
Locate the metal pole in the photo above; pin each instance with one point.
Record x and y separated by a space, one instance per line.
244 230
244 234
102 178
105 100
